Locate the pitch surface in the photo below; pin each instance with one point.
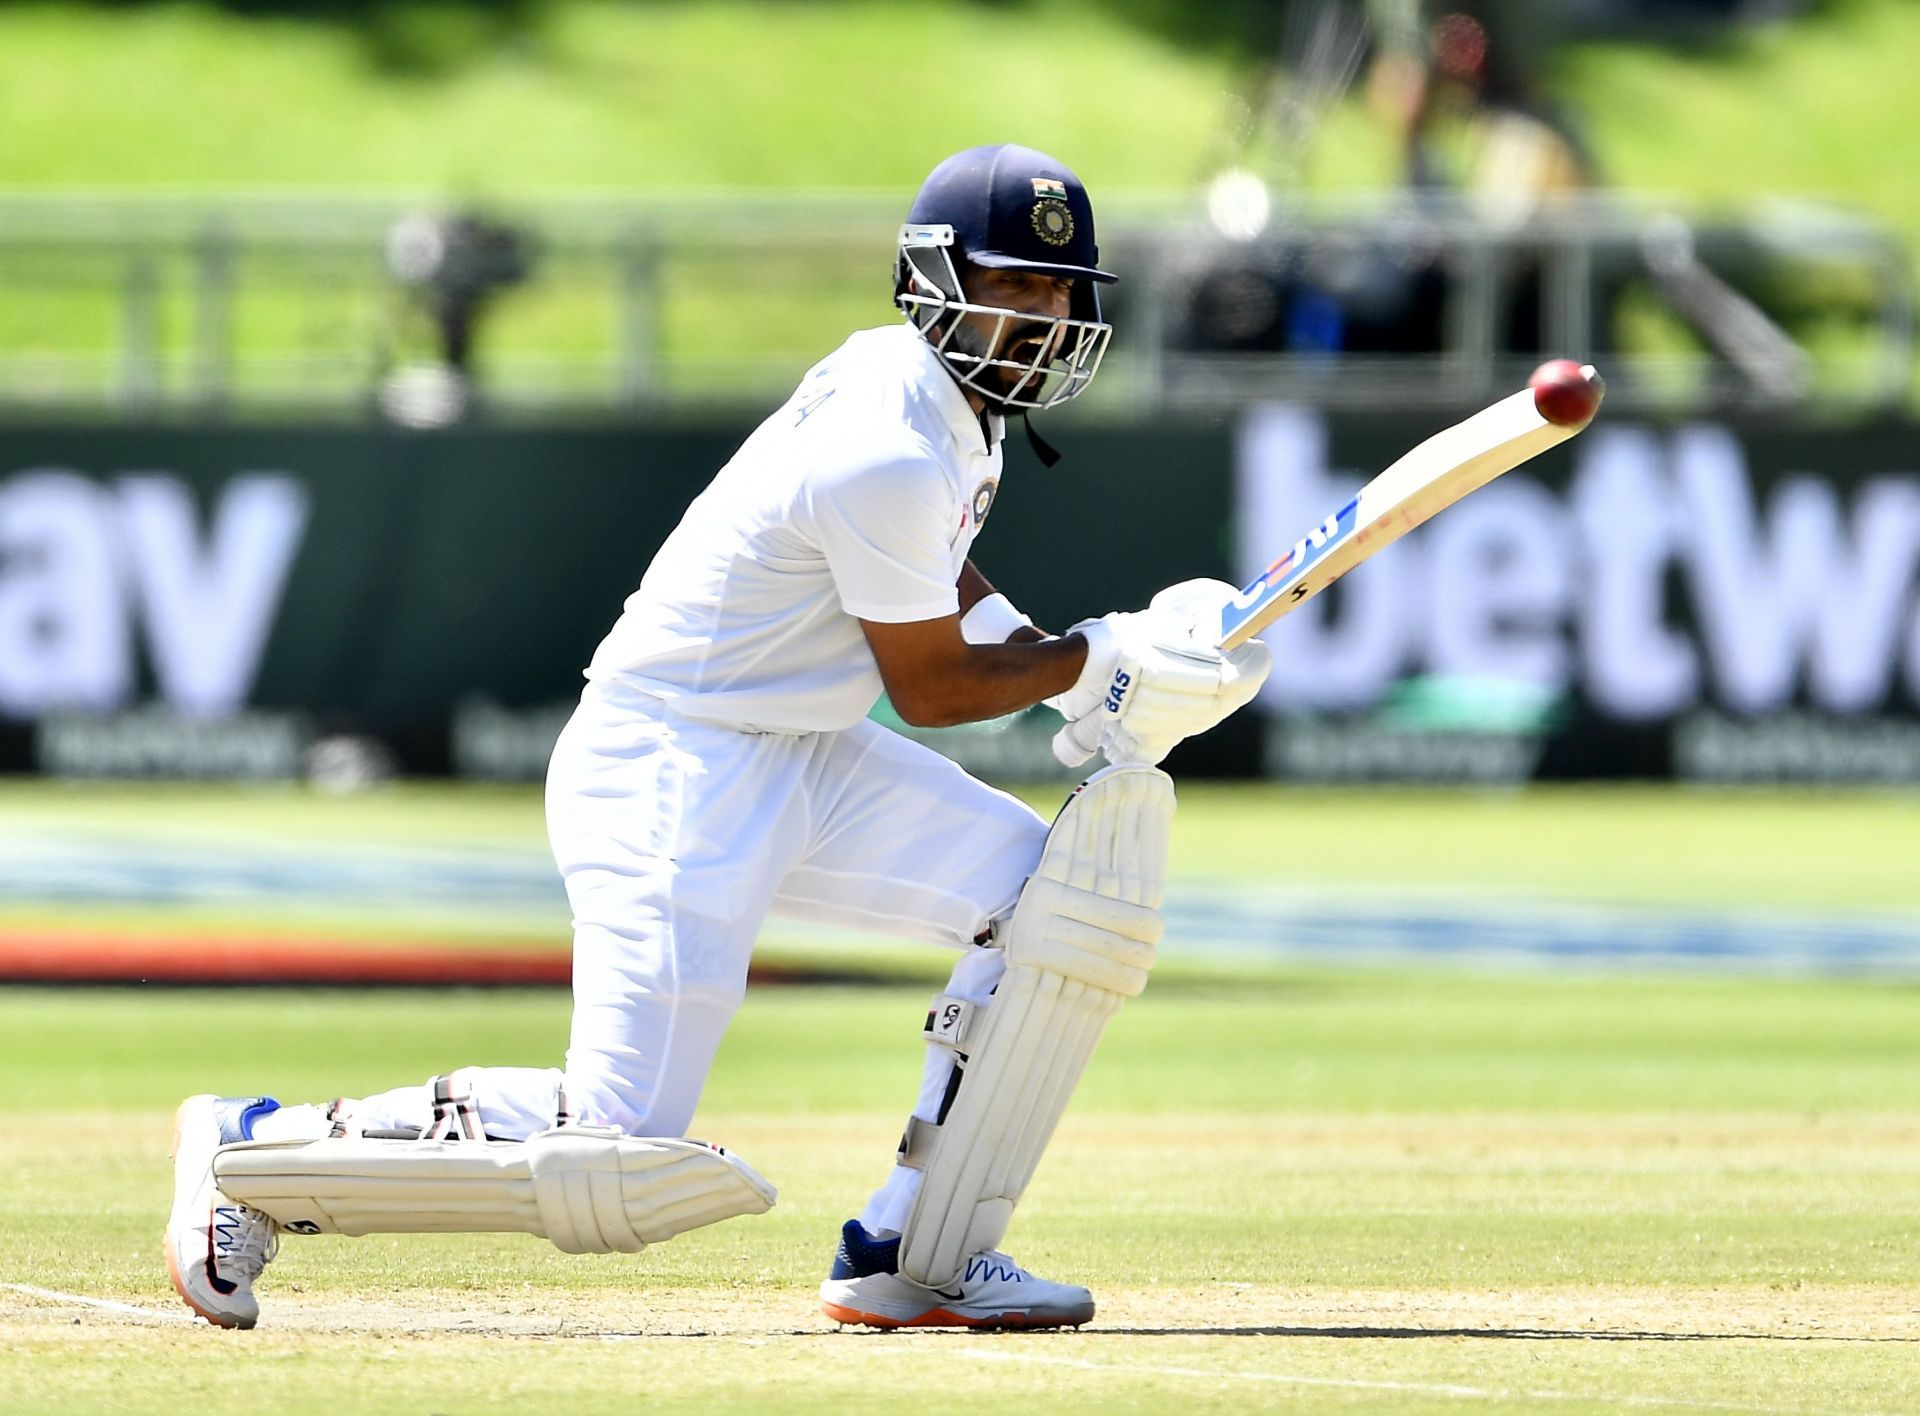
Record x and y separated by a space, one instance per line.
1293 1186
1333 1191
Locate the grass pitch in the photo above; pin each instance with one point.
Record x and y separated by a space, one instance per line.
1314 1191
1291 1188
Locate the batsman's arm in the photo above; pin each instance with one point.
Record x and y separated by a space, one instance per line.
937 679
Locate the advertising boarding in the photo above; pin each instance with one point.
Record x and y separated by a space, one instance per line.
1727 601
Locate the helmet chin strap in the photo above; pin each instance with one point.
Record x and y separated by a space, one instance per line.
1042 449
1048 454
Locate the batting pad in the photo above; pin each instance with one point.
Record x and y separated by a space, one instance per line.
1080 941
588 1189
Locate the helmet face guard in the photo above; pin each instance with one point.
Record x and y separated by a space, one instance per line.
1004 208
1055 361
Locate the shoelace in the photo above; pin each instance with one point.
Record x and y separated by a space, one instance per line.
255 1245
1009 1270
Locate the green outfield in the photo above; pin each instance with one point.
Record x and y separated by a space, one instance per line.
1637 843
1583 1188
1779 879
1318 1191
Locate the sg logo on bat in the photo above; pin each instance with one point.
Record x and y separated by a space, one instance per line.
1301 557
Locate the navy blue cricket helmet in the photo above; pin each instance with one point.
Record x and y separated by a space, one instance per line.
1004 207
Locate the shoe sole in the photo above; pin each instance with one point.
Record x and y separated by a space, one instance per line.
166 1240
943 1317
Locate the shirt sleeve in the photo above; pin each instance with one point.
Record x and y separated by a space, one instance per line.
886 528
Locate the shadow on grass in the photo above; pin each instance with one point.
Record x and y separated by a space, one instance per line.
1516 1334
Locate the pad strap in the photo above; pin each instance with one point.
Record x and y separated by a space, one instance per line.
949 1021
455 1116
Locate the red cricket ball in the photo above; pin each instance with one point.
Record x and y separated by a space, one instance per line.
1565 392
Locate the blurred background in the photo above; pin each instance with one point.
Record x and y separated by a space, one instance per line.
355 357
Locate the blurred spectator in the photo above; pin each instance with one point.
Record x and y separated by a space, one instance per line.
1459 86
1472 115
1476 126
452 268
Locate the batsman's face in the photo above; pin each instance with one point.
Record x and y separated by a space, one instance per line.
1029 336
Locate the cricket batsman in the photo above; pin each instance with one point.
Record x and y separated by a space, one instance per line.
721 765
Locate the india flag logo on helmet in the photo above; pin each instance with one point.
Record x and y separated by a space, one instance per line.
1052 222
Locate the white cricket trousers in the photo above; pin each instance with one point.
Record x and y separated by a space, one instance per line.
676 839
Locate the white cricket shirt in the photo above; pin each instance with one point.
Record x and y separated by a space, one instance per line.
858 499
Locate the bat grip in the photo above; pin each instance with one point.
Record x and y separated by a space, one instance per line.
1070 745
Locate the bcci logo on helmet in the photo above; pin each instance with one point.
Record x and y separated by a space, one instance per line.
1052 222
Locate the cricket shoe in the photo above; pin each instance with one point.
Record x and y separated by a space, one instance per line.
216 1248
992 1291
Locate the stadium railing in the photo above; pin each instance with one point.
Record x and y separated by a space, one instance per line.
341 308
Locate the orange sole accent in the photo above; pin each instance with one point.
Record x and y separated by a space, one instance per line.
173 1263
173 1272
941 1317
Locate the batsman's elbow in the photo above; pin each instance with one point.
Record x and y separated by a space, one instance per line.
925 710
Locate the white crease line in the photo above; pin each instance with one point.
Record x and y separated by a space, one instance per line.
110 1304
1356 1383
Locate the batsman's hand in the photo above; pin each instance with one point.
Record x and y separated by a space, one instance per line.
1115 645
1162 684
1196 604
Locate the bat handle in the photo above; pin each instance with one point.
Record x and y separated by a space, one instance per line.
1070 745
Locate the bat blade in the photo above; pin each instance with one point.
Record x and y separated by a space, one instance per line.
1426 480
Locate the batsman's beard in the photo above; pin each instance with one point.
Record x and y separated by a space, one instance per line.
978 348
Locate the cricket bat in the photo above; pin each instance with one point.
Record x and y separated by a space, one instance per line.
1427 480
1558 401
